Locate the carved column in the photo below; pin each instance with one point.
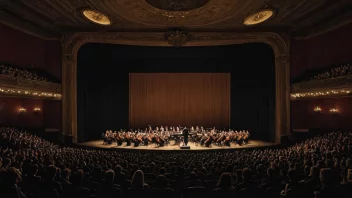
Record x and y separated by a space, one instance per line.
69 103
282 96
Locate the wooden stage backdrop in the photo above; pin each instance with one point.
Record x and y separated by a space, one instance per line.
186 99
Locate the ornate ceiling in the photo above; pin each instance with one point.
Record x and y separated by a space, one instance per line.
49 18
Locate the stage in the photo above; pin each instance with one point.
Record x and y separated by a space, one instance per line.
172 147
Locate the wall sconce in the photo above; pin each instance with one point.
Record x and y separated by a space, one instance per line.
317 109
37 109
22 110
333 110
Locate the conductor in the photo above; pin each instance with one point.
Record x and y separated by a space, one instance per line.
185 133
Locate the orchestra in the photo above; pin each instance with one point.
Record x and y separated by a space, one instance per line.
161 136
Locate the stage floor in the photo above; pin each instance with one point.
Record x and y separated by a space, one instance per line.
171 146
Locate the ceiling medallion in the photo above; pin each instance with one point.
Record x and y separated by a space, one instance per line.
259 17
177 5
96 17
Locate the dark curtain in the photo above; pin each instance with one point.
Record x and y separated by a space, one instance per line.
103 83
173 99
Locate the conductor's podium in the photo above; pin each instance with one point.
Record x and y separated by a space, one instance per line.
185 147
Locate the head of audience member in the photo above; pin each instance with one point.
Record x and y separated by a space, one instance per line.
225 181
137 180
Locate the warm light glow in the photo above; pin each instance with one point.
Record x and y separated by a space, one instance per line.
321 93
317 109
29 93
333 110
259 17
96 17
22 110
37 109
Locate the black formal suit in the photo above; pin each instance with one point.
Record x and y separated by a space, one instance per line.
185 133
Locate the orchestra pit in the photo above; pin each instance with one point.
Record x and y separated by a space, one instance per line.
175 98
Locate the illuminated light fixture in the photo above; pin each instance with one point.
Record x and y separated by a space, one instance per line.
96 17
22 110
317 109
37 109
9 91
259 17
321 93
333 110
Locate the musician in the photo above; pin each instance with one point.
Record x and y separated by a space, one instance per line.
105 137
185 133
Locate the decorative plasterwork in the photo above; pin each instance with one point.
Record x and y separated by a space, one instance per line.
72 43
177 5
48 18
177 38
214 11
12 86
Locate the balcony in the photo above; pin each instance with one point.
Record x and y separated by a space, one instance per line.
18 87
335 87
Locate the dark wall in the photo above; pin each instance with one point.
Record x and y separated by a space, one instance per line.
9 108
103 89
325 120
317 53
27 51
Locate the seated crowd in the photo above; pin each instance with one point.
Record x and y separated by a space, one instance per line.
319 167
16 138
20 73
340 71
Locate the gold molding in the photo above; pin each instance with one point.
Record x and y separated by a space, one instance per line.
17 87
73 42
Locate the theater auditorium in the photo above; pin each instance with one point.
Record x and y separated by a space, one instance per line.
175 98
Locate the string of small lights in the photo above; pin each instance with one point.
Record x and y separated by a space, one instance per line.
321 93
30 93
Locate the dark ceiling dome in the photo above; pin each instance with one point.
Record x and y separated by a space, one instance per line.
177 5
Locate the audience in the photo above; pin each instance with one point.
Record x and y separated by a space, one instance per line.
20 73
15 138
340 71
318 167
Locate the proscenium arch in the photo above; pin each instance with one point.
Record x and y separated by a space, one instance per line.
72 43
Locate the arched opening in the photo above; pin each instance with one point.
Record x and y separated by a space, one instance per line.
72 43
103 83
